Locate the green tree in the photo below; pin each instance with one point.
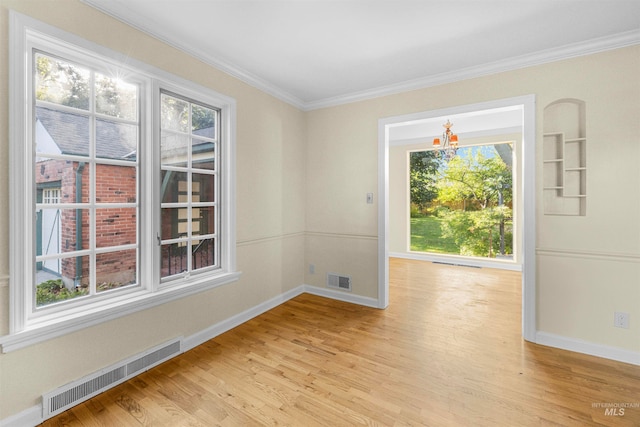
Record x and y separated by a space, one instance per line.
67 84
483 184
175 113
78 96
476 178
202 118
479 233
423 176
44 77
62 82
108 97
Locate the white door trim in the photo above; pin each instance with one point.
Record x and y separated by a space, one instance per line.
528 189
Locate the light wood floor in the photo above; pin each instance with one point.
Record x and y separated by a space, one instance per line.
447 351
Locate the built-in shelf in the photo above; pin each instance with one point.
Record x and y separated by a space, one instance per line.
564 158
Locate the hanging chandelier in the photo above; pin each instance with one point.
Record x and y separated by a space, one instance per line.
447 149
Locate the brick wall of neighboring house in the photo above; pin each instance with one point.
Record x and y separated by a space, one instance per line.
49 170
114 226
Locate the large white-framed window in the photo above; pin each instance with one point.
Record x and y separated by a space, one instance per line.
85 135
131 173
190 187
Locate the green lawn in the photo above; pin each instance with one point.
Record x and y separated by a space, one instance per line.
426 237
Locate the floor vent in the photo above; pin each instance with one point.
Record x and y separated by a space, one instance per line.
65 397
456 265
339 282
153 358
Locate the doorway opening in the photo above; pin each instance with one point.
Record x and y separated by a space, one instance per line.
399 131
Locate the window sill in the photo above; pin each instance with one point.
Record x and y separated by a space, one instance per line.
48 329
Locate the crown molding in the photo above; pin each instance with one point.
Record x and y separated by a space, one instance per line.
220 64
588 47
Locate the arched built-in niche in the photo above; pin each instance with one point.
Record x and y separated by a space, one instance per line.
565 158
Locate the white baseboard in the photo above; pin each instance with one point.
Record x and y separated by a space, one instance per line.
240 318
341 296
233 321
585 347
28 417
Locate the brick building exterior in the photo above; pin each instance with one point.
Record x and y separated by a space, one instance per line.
71 182
64 133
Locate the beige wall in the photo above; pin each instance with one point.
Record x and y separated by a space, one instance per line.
302 180
271 156
576 299
341 170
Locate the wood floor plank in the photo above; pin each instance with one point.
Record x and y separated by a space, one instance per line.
447 351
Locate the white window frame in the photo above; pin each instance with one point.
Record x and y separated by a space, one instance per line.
25 327
171 91
51 196
34 316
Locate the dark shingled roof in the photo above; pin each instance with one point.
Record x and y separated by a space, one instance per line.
70 132
114 140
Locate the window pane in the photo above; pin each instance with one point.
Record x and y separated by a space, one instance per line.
61 82
464 206
67 279
203 188
54 287
69 176
174 223
61 132
48 238
195 150
61 136
174 259
175 114
173 186
116 98
203 221
116 184
116 140
203 253
115 226
76 270
49 172
174 149
203 121
115 269
203 154
56 231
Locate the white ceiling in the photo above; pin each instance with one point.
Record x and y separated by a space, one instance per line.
313 53
485 122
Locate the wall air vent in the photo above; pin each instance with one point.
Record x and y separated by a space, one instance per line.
339 282
67 396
